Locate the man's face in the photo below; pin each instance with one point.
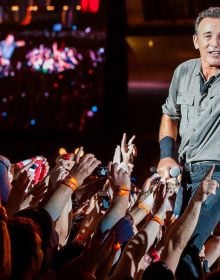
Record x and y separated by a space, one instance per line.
9 39
207 40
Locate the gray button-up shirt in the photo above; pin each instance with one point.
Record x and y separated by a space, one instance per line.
199 114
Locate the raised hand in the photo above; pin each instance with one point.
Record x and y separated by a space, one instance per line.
84 166
128 150
208 186
119 177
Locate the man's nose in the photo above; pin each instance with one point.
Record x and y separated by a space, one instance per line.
215 41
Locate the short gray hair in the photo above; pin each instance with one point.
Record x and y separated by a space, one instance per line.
212 12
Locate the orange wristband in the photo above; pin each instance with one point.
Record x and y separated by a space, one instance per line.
70 182
157 219
141 205
73 180
124 187
117 246
123 192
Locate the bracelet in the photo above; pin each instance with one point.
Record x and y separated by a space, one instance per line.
116 246
71 182
154 254
80 238
141 205
122 187
157 219
121 192
167 147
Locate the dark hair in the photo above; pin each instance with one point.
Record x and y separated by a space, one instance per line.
41 217
214 275
211 12
48 234
22 233
158 270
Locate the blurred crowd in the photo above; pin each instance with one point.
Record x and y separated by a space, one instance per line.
61 100
81 220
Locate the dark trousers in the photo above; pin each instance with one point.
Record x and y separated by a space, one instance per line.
189 266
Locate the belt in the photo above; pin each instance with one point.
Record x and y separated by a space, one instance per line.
203 166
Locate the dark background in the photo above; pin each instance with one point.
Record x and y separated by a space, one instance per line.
144 42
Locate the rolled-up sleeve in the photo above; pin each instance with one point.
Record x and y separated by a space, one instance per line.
170 107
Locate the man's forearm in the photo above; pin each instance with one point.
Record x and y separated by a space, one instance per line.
168 127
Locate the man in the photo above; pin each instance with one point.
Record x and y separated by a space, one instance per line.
7 48
193 108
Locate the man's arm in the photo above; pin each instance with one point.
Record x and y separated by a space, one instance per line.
20 43
183 228
167 137
168 127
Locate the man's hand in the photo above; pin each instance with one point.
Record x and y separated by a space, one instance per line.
208 186
164 166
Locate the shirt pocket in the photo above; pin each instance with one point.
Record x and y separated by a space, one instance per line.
214 103
186 102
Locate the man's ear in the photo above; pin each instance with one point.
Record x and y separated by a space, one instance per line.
195 42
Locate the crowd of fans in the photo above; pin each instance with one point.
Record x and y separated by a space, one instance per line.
51 85
59 54
79 220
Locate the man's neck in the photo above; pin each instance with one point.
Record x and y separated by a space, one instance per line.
210 72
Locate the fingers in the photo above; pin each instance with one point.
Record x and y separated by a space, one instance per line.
117 154
210 173
131 140
28 165
164 173
123 140
212 186
79 154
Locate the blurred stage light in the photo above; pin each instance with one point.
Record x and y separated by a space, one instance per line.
62 151
90 6
33 122
57 27
94 109
101 50
33 8
90 114
74 27
46 94
150 43
4 114
88 29
78 7
65 8
15 8
50 8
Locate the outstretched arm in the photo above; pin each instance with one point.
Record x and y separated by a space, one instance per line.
183 228
167 137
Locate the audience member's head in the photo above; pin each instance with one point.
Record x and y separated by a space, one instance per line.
49 237
26 248
158 270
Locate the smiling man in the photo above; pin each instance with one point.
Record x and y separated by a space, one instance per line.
192 110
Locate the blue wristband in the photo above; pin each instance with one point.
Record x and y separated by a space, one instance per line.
167 147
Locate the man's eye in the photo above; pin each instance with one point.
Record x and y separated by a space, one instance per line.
207 37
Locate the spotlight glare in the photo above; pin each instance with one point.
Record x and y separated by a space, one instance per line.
62 151
94 109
